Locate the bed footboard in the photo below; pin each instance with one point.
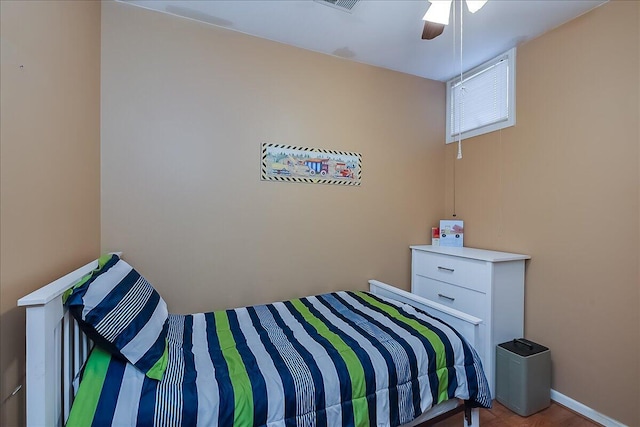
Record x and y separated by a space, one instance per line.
467 325
464 323
56 351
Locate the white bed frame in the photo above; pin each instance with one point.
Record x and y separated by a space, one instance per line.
467 325
57 349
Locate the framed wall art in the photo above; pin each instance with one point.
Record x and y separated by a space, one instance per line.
287 163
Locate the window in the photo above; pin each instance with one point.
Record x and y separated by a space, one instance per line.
485 99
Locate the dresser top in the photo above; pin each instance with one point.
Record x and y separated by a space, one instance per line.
473 253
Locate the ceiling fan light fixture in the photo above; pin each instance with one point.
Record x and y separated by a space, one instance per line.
475 5
438 12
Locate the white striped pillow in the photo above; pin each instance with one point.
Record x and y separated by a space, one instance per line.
120 311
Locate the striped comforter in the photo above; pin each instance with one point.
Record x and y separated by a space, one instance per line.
339 359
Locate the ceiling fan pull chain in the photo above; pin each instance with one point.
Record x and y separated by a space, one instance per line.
461 89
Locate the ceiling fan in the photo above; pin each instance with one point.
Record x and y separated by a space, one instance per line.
437 16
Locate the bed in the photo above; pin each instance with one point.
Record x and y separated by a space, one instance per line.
344 358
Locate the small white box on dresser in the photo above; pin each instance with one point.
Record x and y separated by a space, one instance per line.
486 284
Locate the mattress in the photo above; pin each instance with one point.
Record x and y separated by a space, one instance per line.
338 359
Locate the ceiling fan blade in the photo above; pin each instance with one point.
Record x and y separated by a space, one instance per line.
431 30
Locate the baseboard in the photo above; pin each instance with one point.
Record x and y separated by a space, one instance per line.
584 410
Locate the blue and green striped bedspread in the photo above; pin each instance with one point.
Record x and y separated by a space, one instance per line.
339 359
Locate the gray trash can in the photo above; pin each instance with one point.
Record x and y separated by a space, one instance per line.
523 376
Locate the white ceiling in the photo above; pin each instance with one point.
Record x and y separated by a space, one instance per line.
385 33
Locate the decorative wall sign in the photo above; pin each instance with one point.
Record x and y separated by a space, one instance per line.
311 165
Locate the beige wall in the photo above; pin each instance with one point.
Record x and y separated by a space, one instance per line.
49 162
562 186
185 107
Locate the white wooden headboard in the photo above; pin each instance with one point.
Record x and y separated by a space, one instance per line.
56 351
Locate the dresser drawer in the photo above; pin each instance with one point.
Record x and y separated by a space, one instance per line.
466 300
469 273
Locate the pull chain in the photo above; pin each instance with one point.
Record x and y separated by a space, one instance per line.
461 89
457 4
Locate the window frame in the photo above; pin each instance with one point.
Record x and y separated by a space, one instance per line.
510 56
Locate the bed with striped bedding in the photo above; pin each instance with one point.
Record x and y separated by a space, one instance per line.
339 359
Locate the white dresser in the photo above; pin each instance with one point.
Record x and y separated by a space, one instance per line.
485 284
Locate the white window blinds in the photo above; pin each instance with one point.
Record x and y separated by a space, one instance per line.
483 101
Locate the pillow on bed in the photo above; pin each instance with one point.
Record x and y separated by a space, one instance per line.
120 311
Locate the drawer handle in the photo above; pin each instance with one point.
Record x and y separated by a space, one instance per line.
447 297
450 270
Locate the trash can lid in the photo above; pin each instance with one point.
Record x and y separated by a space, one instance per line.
523 347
